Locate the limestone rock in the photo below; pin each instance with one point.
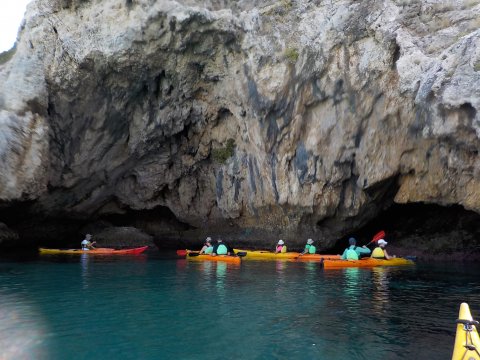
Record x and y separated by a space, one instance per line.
302 118
122 236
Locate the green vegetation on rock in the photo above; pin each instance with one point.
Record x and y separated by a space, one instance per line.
291 54
221 155
7 55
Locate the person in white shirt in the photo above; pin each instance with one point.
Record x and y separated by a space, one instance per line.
87 244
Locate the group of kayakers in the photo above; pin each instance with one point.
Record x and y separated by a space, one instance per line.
220 248
352 252
281 248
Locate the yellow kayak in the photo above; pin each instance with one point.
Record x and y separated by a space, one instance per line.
270 255
467 342
264 254
96 251
366 262
207 257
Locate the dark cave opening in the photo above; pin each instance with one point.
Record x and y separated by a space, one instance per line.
33 228
422 229
140 218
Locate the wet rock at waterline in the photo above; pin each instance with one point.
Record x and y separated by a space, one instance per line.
8 237
301 118
122 236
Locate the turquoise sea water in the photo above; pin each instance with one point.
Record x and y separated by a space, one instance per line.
151 307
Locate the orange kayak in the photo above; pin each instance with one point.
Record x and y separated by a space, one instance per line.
96 251
367 262
205 257
317 257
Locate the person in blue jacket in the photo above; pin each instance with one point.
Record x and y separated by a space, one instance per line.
353 252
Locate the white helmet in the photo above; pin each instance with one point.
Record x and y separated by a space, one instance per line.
309 241
281 242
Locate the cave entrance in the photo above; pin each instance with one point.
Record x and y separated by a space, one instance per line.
423 230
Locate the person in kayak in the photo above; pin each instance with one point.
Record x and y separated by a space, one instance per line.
309 248
87 244
207 247
380 252
281 247
222 249
353 252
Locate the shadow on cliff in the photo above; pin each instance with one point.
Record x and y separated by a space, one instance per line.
430 232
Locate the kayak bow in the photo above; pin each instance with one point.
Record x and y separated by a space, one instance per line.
467 342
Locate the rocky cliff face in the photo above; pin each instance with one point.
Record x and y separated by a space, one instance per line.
292 118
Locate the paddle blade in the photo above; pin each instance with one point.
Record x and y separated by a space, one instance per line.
241 253
182 252
378 236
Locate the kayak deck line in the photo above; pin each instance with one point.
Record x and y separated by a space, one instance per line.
467 341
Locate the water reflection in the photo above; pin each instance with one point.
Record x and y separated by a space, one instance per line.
207 269
380 289
280 266
311 268
281 283
84 260
352 287
352 280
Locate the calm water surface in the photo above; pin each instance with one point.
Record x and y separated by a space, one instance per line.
147 307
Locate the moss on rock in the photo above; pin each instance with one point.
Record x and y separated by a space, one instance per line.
221 155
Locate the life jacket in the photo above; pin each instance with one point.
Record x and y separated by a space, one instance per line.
351 254
378 253
209 250
282 248
222 249
310 249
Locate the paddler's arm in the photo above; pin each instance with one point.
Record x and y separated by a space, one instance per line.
388 257
363 250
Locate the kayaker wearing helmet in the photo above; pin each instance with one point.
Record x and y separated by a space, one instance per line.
309 248
87 244
222 249
207 247
281 247
353 252
380 252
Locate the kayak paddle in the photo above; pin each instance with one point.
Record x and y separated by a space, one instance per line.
378 236
182 252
